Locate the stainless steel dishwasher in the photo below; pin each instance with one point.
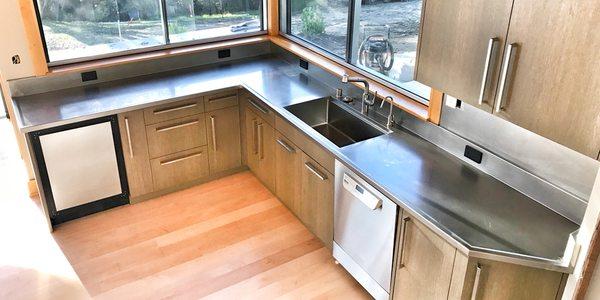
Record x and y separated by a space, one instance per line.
364 230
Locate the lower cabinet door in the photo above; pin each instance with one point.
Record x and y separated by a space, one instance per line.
288 163
251 122
179 168
316 201
260 148
223 126
135 153
424 264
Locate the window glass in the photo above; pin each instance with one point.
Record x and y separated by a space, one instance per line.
386 41
75 28
201 19
321 22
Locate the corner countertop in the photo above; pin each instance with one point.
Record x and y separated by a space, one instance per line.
478 214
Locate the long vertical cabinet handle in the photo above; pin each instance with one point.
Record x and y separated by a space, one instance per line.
214 133
476 283
402 242
255 136
260 142
505 81
128 137
487 68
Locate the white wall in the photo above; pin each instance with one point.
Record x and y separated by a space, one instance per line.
584 237
13 42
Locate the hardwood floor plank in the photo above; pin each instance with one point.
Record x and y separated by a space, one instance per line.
223 239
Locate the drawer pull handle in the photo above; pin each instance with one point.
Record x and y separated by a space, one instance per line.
402 242
210 100
314 170
214 133
285 146
167 128
176 108
260 141
128 137
257 106
505 77
172 161
476 283
486 69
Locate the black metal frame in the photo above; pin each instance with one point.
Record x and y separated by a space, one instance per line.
57 217
167 45
347 60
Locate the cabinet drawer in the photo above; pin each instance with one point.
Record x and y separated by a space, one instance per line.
176 135
261 109
175 110
179 168
221 100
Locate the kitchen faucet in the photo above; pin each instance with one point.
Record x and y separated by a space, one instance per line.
366 97
390 118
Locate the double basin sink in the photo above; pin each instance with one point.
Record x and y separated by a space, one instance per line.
339 124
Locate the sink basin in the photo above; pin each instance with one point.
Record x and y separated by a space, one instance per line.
334 122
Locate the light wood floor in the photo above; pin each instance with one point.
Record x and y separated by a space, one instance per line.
226 239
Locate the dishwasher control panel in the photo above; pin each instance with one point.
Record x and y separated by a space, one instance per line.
359 192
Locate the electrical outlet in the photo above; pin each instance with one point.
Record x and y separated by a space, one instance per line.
89 76
473 154
224 53
303 64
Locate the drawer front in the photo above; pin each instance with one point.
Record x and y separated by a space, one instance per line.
221 100
176 135
261 109
179 168
175 110
310 147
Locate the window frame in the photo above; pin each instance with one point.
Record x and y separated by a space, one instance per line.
167 45
285 31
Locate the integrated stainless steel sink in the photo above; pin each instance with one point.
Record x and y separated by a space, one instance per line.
335 122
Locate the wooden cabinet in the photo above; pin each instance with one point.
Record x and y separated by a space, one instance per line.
316 199
490 280
179 168
135 152
427 267
288 163
543 76
424 264
223 126
176 135
552 83
454 42
260 148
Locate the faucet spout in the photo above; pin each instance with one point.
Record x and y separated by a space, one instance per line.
366 97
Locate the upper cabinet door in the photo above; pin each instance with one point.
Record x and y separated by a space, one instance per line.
551 83
461 48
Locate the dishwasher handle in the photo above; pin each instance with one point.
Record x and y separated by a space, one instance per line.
362 194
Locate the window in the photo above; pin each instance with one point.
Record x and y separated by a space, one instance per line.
378 36
78 30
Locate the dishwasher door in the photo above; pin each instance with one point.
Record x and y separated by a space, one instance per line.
81 168
364 230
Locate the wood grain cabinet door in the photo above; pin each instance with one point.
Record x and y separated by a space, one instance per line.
453 48
223 126
135 152
260 148
251 121
288 163
424 265
316 203
551 80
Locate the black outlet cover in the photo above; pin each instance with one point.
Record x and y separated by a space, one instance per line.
473 154
303 64
89 76
224 53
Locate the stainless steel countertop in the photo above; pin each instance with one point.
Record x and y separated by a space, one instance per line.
478 214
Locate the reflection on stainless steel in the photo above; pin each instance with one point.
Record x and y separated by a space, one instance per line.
331 120
472 210
548 172
364 228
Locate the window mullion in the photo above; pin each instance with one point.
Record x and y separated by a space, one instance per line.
163 8
353 31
